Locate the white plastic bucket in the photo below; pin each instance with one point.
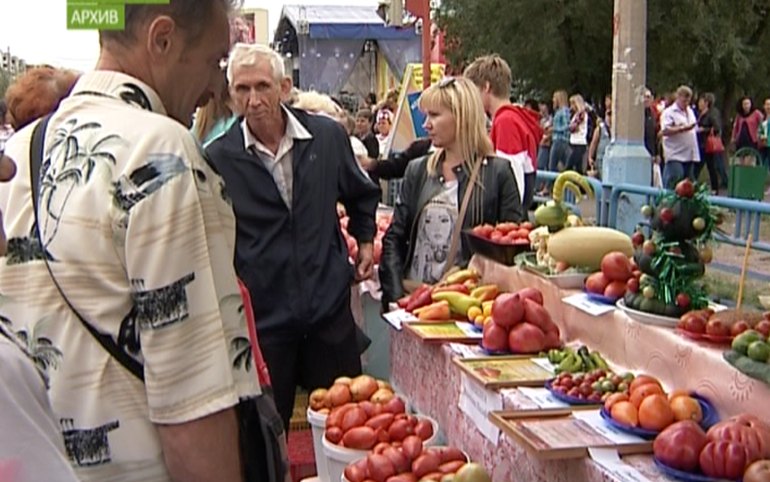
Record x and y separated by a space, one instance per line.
337 457
318 425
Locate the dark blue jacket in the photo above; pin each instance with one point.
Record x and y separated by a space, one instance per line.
295 263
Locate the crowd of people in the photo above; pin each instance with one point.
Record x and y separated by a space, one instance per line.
681 135
174 267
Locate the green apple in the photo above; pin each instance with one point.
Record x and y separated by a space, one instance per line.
759 351
741 342
472 473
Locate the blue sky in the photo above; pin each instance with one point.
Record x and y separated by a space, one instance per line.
35 30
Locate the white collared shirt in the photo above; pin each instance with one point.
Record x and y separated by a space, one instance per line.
683 146
279 164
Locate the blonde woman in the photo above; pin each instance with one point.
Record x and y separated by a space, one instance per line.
321 104
578 133
215 118
417 243
560 133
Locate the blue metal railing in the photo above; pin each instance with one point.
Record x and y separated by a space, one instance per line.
748 214
549 177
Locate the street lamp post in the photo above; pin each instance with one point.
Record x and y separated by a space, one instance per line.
627 159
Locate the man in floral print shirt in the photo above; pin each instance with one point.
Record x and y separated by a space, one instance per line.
139 233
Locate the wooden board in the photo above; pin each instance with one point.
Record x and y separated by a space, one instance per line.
559 435
440 332
504 371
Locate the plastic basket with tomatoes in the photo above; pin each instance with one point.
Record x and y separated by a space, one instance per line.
500 243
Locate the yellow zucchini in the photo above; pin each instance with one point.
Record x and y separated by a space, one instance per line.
585 246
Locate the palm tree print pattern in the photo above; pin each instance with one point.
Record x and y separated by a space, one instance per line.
76 151
41 349
240 346
240 349
133 94
141 183
26 249
87 447
154 309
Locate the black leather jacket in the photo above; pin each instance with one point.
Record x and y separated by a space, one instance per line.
499 201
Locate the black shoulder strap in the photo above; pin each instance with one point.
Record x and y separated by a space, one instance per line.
35 161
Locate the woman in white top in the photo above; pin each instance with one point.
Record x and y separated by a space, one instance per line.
578 138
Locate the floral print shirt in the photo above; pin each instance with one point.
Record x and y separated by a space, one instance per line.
139 233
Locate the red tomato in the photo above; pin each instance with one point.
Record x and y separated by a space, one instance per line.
484 230
527 225
615 290
616 267
680 444
597 283
725 460
746 430
506 228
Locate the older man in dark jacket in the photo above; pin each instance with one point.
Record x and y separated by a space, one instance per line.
285 171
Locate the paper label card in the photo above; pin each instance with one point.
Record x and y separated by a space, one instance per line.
614 465
476 402
467 328
582 302
466 351
505 372
398 318
597 423
542 398
545 364
559 433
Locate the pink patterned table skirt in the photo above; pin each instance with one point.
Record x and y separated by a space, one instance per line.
678 362
426 375
431 382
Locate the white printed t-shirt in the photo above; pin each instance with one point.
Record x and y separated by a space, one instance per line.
140 235
434 235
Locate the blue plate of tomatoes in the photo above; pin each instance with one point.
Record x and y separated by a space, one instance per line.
710 417
563 397
682 475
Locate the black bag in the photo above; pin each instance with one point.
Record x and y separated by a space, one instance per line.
262 438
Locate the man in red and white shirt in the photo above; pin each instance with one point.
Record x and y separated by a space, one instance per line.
516 131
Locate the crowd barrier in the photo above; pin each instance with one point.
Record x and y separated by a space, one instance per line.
749 215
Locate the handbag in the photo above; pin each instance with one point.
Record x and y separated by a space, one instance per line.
454 244
261 435
714 144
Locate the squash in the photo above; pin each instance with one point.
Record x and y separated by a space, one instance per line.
585 246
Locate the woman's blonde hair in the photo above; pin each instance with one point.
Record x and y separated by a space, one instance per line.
318 103
461 97
216 109
561 98
577 99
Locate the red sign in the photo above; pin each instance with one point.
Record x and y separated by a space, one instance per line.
418 8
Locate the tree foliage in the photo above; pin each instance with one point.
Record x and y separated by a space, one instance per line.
712 45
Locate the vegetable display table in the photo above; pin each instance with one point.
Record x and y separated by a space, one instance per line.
426 375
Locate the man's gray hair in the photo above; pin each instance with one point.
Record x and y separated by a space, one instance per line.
684 91
249 55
